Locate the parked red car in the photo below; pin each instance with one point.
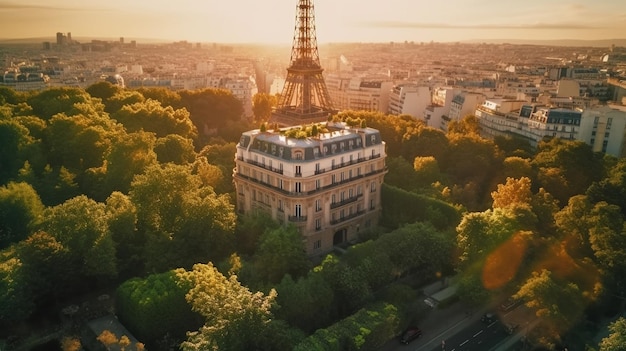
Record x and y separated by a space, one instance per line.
409 334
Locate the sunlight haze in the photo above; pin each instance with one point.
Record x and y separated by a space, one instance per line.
253 21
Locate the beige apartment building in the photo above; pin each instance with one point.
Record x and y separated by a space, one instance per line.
327 185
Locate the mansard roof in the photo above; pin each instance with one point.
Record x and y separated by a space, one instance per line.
336 139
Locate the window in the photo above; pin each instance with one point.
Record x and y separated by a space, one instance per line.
372 204
298 187
280 184
317 244
317 168
280 205
373 187
318 205
333 199
298 211
298 171
318 184
318 224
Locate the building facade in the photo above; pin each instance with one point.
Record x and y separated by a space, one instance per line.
327 185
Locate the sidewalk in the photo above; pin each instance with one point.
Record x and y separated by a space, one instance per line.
438 324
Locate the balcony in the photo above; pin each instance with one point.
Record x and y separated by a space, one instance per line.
345 201
258 164
343 219
297 219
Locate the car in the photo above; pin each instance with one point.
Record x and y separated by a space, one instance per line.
409 334
488 318
510 304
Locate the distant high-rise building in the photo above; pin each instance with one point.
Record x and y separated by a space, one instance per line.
305 98
69 37
60 39
121 40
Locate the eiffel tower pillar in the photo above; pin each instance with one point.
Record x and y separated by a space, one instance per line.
305 98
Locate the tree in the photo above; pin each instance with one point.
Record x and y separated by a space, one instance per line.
103 90
617 336
471 159
122 222
175 211
211 108
467 125
122 98
306 303
235 317
174 148
16 301
516 192
280 252
15 139
49 102
80 225
155 306
75 142
130 155
567 168
165 96
250 228
561 303
262 105
107 338
70 344
427 169
150 116
47 266
20 207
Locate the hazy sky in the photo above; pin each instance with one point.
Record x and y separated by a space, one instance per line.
272 21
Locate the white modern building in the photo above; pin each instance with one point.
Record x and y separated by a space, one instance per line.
356 93
409 99
603 128
327 184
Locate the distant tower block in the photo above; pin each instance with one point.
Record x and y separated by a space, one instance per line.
305 98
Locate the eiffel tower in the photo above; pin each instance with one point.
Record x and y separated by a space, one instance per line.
305 98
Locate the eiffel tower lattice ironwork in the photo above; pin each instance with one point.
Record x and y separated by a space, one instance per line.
305 98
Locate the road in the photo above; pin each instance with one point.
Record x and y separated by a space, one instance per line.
477 336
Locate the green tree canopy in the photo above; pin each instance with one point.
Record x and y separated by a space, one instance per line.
616 341
80 225
150 116
262 105
235 317
20 207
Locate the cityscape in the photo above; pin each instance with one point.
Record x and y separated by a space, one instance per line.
338 194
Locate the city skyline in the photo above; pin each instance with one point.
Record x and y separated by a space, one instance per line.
250 21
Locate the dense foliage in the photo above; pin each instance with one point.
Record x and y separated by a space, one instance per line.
131 189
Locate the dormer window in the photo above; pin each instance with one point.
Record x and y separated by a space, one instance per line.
298 155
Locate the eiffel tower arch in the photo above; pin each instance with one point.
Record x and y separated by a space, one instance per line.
305 98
